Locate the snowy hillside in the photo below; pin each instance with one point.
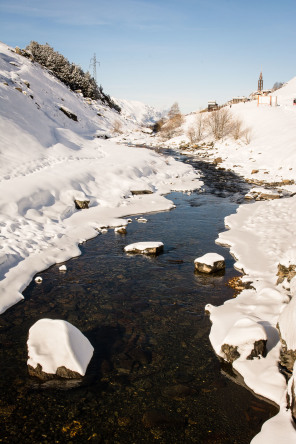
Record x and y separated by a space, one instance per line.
48 160
138 112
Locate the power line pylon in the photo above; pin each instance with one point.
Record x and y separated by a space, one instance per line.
93 64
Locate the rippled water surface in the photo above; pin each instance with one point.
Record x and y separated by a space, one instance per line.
154 376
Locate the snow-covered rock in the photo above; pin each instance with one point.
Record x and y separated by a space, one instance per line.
57 348
145 248
292 392
246 339
120 230
287 329
209 263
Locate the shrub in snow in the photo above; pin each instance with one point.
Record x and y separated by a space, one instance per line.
246 339
287 329
57 348
285 273
144 248
209 263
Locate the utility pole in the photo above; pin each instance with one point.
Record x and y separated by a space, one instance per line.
93 64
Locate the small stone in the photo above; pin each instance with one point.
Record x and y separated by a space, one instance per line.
38 279
63 268
255 171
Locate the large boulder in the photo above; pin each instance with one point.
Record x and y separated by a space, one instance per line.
57 349
209 263
287 329
144 248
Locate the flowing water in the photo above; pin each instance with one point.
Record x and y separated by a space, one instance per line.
154 376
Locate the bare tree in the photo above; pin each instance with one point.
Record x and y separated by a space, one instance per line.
237 129
175 120
220 123
196 131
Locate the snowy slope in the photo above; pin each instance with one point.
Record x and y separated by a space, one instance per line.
47 160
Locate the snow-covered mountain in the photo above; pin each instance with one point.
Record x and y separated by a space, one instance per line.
138 112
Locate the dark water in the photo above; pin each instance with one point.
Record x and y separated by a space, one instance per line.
154 376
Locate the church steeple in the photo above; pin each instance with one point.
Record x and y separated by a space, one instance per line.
260 82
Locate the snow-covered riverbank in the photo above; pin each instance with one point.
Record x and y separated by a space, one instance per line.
48 160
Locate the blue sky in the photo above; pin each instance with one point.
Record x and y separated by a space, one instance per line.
162 51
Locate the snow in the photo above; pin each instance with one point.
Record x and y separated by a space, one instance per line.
57 343
209 259
48 160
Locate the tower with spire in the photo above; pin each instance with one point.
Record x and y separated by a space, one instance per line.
260 82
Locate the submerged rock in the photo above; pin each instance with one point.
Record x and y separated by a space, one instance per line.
144 248
57 349
209 263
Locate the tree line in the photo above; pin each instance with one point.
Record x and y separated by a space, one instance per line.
70 74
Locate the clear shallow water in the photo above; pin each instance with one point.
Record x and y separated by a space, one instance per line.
154 376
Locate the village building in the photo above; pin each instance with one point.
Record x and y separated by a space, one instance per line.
212 105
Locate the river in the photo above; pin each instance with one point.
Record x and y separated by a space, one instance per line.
154 376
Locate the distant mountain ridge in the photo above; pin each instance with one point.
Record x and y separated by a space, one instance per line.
138 112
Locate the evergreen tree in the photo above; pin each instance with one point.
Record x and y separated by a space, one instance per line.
69 73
